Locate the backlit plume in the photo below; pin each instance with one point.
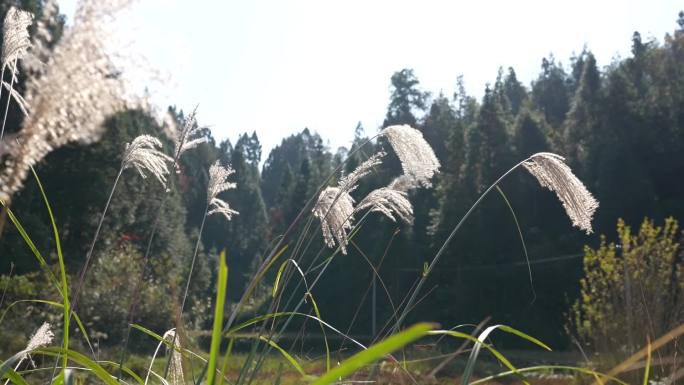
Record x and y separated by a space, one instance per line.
72 87
218 183
418 160
553 174
335 210
389 202
15 36
143 153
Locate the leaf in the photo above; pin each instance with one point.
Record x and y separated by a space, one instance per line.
285 354
218 318
375 352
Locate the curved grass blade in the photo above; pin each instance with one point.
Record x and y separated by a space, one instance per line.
15 377
224 365
547 367
32 246
648 364
166 342
375 352
62 269
285 354
218 318
522 241
83 360
55 304
470 365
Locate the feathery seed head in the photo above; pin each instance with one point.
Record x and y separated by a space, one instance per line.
42 337
218 180
221 207
15 36
418 160
142 153
74 84
553 174
189 136
389 202
335 210
350 182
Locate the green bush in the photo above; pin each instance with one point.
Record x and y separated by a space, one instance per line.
632 290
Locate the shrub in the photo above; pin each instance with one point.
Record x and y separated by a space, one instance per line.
632 289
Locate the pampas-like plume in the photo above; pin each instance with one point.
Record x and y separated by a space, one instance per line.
189 136
218 183
418 160
389 202
15 36
42 337
335 209
71 93
142 153
553 174
350 182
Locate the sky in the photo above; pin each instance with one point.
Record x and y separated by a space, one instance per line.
277 66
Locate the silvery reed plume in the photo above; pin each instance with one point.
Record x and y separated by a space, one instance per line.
142 153
218 183
553 174
335 210
335 207
71 89
188 136
42 337
15 45
418 161
389 202
15 37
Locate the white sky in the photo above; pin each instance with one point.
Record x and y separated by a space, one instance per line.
279 66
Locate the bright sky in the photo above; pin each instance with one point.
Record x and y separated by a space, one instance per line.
278 66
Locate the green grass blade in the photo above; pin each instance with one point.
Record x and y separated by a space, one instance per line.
32 246
62 269
285 354
277 279
325 337
375 352
224 365
647 370
218 318
166 342
470 365
15 377
522 240
524 336
55 304
83 360
575 369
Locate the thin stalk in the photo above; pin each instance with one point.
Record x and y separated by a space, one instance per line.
187 286
424 277
89 255
9 95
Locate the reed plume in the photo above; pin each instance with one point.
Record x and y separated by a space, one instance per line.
189 135
389 202
42 337
350 182
73 86
335 210
418 161
218 183
142 154
15 37
553 174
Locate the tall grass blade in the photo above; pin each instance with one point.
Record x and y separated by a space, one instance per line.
62 270
285 354
647 370
375 352
218 318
